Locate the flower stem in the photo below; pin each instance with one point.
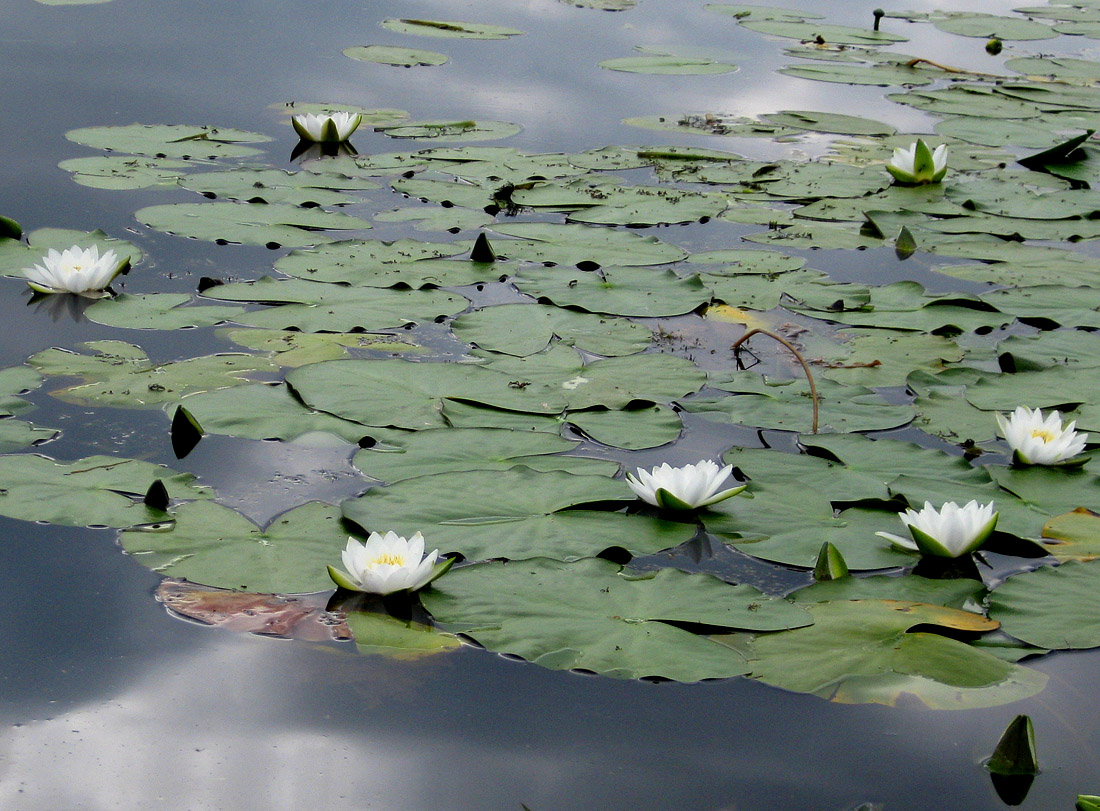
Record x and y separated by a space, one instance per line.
805 367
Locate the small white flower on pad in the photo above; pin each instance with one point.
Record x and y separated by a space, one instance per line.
682 488
388 563
75 270
950 532
334 128
918 165
1040 440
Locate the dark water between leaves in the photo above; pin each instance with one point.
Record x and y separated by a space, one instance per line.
110 703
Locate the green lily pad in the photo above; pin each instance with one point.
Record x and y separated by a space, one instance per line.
449 29
968 100
120 375
411 395
402 262
570 244
1053 607
292 349
170 141
157 311
250 184
452 130
836 123
451 450
524 329
673 64
216 546
514 514
881 75
866 651
630 428
610 383
746 12
972 24
17 434
616 290
273 225
316 307
786 405
430 218
263 411
886 358
952 593
94 491
602 5
398 57
609 623
835 34
125 171
1073 535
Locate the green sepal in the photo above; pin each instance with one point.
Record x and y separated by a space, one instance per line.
924 168
667 501
329 133
733 491
342 579
1087 802
303 133
901 176
439 570
1074 461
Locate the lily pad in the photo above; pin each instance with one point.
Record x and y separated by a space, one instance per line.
216 546
402 262
972 24
660 63
94 491
158 311
630 428
524 329
570 244
452 130
450 450
170 141
292 349
515 514
835 34
449 29
403 640
398 57
1054 607
836 123
866 651
121 375
616 290
610 622
125 171
273 225
317 307
1074 535
254 185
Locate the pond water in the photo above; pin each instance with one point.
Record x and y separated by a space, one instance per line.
111 702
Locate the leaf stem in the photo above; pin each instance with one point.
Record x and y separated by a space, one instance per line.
805 367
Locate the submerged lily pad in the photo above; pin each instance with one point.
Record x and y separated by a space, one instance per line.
610 622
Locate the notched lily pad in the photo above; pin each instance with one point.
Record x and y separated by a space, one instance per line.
398 57
170 141
591 616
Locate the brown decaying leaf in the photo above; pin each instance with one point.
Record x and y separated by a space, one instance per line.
302 617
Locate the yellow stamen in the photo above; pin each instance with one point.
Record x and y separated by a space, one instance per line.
1043 434
389 558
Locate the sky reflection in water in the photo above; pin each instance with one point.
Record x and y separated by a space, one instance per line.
109 703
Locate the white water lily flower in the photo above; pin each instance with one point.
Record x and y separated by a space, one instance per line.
333 128
75 270
949 532
388 563
682 488
918 165
1039 440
